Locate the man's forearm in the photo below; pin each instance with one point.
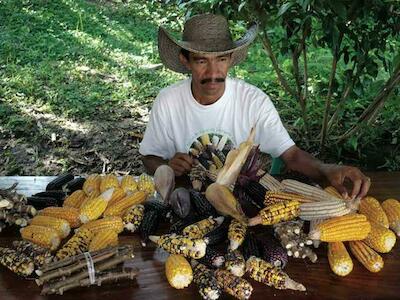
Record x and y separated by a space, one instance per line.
152 162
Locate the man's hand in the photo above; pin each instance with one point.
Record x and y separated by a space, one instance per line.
337 175
181 163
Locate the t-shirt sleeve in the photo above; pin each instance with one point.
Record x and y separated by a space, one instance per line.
156 140
270 132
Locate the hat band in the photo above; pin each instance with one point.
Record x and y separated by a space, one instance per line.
208 45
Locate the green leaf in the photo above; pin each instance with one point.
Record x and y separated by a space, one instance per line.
340 9
284 8
353 142
241 5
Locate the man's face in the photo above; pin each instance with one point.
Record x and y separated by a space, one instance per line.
208 72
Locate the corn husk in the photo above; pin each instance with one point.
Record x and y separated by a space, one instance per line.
180 202
164 181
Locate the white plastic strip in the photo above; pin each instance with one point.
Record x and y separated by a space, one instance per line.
90 266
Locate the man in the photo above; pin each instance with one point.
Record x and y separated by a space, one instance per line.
211 105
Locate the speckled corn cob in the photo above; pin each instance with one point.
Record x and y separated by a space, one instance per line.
43 236
178 244
206 282
233 285
277 213
39 254
264 272
114 223
146 184
16 262
279 197
108 181
234 263
201 228
212 258
133 217
79 243
103 239
75 199
236 234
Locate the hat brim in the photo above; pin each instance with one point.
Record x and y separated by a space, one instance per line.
169 49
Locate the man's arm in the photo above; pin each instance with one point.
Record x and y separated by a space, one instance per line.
303 162
181 163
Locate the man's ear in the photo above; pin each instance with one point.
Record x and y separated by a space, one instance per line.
184 61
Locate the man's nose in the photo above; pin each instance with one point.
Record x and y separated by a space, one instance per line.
212 70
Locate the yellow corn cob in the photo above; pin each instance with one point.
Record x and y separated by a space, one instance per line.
179 244
92 184
75 199
392 210
334 192
43 236
236 234
117 195
372 209
146 184
70 214
16 262
122 205
351 227
234 263
77 244
309 191
205 139
367 256
277 213
339 259
178 271
60 225
94 208
279 197
129 184
380 238
114 223
133 218
218 163
264 272
270 183
201 228
103 239
108 181
233 285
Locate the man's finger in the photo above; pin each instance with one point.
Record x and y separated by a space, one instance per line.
185 157
178 169
364 188
184 164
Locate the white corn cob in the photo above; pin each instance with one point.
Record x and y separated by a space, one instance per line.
312 192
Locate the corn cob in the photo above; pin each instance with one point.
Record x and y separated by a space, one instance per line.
313 225
248 205
16 261
39 254
371 260
212 258
75 199
345 228
257 192
372 209
264 272
323 209
380 238
94 208
272 251
117 195
146 184
309 191
133 217
120 207
74 185
129 184
149 225
108 181
201 228
334 192
161 208
77 244
234 263
41 202
103 239
270 183
392 210
60 225
178 244
70 214
219 234
178 271
279 197
43 236
179 225
59 195
201 205
57 184
92 184
233 285
113 223
251 246
236 234
197 176
339 259
276 213
206 282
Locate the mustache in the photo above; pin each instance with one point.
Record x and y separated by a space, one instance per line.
217 79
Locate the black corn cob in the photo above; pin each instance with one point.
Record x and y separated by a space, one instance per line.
41 202
16 262
234 263
233 285
58 195
39 254
219 234
272 251
212 259
149 225
249 206
201 205
257 192
160 207
59 182
251 246
206 282
180 224
74 185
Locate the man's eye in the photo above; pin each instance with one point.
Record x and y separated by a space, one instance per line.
222 59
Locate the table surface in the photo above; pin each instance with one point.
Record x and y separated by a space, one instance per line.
319 280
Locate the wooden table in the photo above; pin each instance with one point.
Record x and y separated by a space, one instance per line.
320 282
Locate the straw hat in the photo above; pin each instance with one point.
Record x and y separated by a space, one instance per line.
203 34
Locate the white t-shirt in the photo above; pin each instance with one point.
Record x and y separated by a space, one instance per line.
177 120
